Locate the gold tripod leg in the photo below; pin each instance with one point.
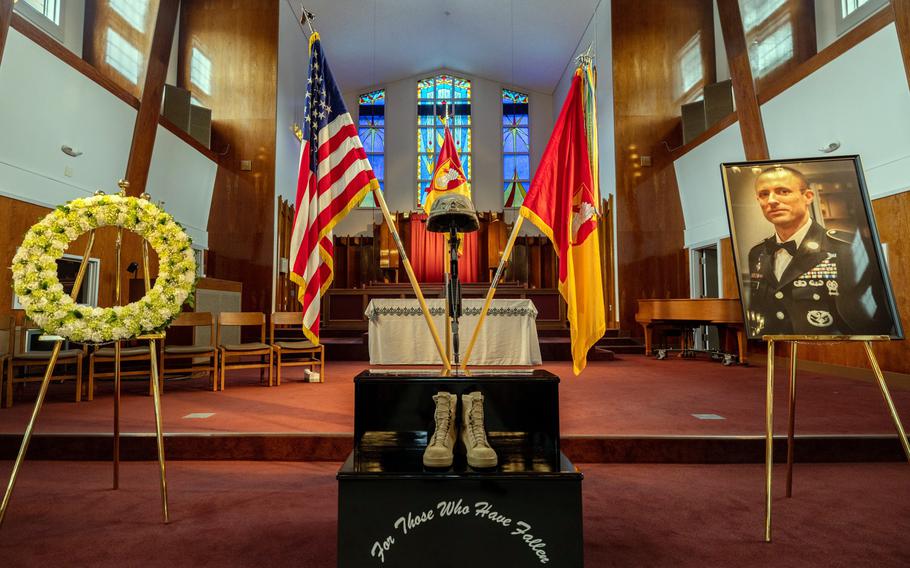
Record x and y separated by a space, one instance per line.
887 396
42 392
769 438
791 418
27 437
446 276
158 434
117 415
156 396
117 353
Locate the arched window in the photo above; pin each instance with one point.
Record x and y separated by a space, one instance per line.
372 134
434 96
516 139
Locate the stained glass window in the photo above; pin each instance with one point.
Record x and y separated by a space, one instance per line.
516 139
436 96
372 134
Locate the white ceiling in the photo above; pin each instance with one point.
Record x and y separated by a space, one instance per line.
411 37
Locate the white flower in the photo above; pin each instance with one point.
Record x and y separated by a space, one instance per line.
42 296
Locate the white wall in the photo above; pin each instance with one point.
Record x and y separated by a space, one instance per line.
184 180
293 49
859 99
700 188
599 32
46 104
486 151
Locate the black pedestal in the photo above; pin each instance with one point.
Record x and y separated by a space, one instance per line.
392 511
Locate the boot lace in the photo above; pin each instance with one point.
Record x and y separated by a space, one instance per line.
475 423
442 417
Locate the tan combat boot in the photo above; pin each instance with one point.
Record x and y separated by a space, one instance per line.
473 434
439 449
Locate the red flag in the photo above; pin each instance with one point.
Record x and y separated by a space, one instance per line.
561 203
449 176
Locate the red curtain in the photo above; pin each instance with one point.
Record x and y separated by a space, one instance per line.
427 253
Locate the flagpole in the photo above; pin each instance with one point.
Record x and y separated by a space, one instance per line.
446 260
307 17
506 254
447 367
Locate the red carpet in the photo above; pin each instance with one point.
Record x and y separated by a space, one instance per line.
284 514
635 395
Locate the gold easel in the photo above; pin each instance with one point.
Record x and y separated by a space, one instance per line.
58 343
769 405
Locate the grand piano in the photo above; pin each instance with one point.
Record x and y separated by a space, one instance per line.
691 313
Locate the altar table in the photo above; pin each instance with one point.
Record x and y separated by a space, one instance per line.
399 334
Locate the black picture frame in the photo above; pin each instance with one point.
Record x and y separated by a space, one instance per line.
836 283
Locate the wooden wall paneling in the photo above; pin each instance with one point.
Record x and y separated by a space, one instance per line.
353 253
280 277
99 18
496 241
900 10
892 216
6 17
534 263
605 225
729 277
159 55
21 216
240 39
805 37
404 232
648 38
747 109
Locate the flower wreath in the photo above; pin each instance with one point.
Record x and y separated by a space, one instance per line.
42 296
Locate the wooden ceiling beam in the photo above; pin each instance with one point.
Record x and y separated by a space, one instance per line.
140 160
747 109
6 16
901 10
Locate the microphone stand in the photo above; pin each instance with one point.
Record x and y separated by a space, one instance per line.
453 290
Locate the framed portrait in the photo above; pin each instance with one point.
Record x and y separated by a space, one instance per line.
807 253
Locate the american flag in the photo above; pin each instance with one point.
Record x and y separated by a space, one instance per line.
333 178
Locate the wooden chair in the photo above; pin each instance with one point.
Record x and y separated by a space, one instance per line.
26 360
7 326
102 355
240 350
191 352
304 353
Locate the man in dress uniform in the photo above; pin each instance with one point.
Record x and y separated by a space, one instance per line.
805 279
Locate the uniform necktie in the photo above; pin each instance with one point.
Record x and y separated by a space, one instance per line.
789 246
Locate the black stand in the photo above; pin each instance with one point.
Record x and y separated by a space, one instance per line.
453 291
392 511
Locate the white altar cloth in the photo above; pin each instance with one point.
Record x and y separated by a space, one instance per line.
399 333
